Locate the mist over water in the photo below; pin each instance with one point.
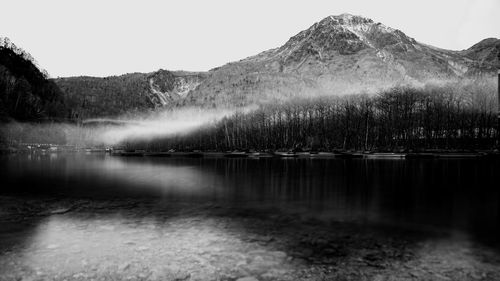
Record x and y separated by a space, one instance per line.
115 131
165 124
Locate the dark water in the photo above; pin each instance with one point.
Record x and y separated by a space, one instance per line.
458 194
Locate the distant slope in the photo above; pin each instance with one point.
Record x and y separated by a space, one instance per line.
128 93
25 92
486 53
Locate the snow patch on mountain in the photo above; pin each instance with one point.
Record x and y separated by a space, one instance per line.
458 68
358 27
184 85
166 87
385 56
158 97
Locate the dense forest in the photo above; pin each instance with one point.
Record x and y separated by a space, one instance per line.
128 94
110 96
451 115
26 93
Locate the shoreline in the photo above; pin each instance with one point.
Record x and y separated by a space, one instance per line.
338 154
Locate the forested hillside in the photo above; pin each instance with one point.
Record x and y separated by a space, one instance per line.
26 93
486 53
90 97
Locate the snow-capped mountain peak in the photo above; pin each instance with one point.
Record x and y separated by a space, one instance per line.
344 34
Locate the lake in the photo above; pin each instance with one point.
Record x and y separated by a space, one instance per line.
452 197
453 194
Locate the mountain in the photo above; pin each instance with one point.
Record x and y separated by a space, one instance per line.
486 53
26 93
341 54
128 93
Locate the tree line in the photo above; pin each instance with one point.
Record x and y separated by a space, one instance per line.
458 115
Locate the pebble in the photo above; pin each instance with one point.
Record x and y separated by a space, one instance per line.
60 211
248 278
107 227
241 263
124 266
274 273
278 254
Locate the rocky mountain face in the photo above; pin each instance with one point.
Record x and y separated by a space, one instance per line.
26 93
166 87
135 92
341 55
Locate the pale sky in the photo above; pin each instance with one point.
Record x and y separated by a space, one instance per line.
104 37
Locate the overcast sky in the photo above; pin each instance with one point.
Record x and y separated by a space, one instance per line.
100 38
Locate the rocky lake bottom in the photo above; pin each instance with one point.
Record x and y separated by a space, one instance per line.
127 239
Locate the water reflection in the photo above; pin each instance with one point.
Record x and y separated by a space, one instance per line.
448 194
101 176
78 217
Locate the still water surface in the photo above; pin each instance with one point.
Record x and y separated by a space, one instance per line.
456 194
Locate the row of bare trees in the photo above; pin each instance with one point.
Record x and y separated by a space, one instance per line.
439 116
